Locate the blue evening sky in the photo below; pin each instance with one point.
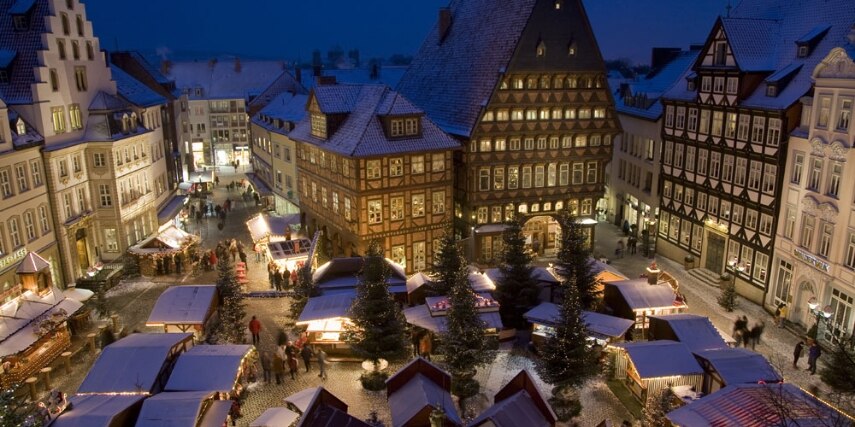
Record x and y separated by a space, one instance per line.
285 29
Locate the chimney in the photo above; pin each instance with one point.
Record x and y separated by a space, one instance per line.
444 23
316 70
662 55
375 71
653 274
298 74
325 80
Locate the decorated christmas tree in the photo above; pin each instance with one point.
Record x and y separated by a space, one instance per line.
516 290
378 329
574 261
657 408
464 341
16 411
303 290
565 360
727 298
447 261
231 327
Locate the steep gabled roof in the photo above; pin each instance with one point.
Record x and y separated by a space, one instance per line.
26 45
653 86
285 83
222 79
753 42
133 91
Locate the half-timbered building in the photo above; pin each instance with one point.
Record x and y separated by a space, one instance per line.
725 134
372 166
522 87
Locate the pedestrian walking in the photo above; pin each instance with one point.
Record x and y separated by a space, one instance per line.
756 332
242 256
813 353
257 250
255 328
266 367
286 277
307 354
294 276
292 366
746 337
797 353
277 280
322 363
631 242
278 367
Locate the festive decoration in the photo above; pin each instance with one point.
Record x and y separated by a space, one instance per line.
574 261
727 299
657 408
516 290
446 263
303 290
16 412
230 327
377 329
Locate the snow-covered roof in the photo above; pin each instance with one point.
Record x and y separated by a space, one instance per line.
285 83
288 107
653 86
599 324
301 400
326 307
653 359
95 410
639 295
417 394
362 133
183 305
170 240
421 316
208 368
27 45
696 332
541 274
183 409
32 263
78 294
326 410
132 364
262 225
133 91
740 366
220 79
343 272
519 403
757 405
105 102
17 317
275 417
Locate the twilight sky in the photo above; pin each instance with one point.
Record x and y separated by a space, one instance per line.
284 29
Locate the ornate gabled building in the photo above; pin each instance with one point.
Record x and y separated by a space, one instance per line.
372 166
522 87
815 241
725 134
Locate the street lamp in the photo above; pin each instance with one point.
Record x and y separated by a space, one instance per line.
821 316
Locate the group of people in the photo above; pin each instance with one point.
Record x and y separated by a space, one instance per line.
747 336
814 351
280 278
233 248
274 364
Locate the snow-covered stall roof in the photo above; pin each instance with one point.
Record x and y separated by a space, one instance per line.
640 295
326 410
603 325
301 400
653 359
341 273
416 281
418 393
132 364
78 294
183 305
17 318
170 240
264 226
420 316
519 403
757 405
96 410
696 332
541 274
208 368
740 366
480 282
183 409
326 307
275 417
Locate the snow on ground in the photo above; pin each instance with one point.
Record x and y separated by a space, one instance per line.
126 287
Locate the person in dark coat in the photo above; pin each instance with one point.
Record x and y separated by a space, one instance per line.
286 277
756 332
266 367
307 354
292 366
813 353
278 367
242 256
797 353
277 280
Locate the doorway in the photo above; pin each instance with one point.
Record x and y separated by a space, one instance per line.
82 249
715 253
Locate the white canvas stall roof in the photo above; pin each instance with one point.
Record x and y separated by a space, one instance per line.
289 249
167 241
603 325
275 417
174 409
639 295
326 307
16 319
183 305
94 410
208 368
420 316
263 226
416 281
131 364
302 399
78 294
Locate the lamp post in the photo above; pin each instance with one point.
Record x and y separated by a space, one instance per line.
822 316
737 266
648 236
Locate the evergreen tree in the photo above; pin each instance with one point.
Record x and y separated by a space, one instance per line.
303 290
464 341
574 261
727 298
517 290
839 373
447 262
565 361
232 310
15 411
657 408
378 329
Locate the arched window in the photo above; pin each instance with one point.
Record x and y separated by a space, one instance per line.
133 120
75 49
79 25
65 27
21 126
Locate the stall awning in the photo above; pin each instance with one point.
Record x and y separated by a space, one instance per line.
296 249
639 295
740 366
327 307
183 305
171 209
420 316
260 187
275 417
653 359
177 409
208 368
696 332
598 324
16 320
95 410
170 240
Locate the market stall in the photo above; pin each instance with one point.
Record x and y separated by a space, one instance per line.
651 366
431 316
184 409
697 332
264 228
291 254
100 410
342 275
416 391
166 252
33 324
416 290
602 328
727 366
519 403
184 309
637 300
325 318
212 368
276 417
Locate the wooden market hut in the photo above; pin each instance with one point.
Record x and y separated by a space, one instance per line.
344 274
696 332
547 281
184 409
107 410
264 228
187 308
602 328
325 318
431 315
166 252
319 407
637 300
417 291
648 367
416 391
291 254
727 366
519 403
211 368
33 323
275 417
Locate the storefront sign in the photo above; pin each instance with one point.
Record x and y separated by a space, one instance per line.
811 260
12 258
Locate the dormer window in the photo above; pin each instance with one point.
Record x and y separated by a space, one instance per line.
771 90
319 125
404 127
541 49
411 126
557 4
571 48
21 127
21 12
808 42
804 51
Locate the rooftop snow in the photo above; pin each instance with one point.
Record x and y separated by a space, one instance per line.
183 305
653 359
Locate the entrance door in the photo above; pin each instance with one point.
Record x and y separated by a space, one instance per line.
82 254
715 253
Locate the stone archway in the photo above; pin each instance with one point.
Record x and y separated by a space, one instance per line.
799 312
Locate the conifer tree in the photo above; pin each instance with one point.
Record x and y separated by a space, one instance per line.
446 263
516 290
656 409
574 261
727 298
15 411
303 290
378 329
565 361
464 341
839 373
232 310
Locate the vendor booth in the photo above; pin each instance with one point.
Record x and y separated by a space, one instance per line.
431 315
185 309
276 417
647 368
696 332
33 323
184 409
166 252
728 366
290 254
637 300
416 290
212 368
602 328
107 410
416 391
342 275
264 228
319 407
519 403
325 318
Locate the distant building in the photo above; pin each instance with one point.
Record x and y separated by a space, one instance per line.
815 240
523 89
725 135
372 166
